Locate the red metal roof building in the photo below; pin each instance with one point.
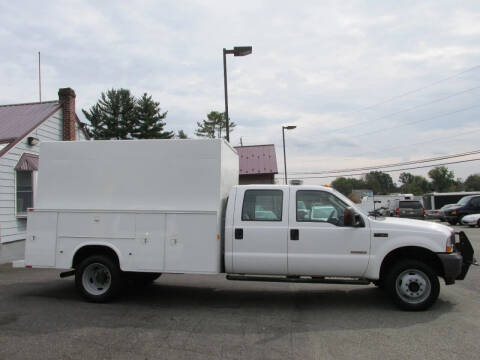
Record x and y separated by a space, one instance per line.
258 164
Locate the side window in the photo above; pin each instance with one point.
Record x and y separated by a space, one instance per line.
262 205
319 206
476 203
24 192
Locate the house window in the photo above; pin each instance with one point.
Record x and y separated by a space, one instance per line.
24 192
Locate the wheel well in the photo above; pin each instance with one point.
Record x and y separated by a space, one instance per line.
89 250
411 252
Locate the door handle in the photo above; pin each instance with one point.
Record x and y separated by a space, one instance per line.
238 234
294 234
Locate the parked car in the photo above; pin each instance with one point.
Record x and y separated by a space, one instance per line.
410 209
441 212
466 206
471 220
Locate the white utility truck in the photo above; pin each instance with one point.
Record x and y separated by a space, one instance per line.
109 210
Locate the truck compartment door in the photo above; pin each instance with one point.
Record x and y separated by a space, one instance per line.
41 239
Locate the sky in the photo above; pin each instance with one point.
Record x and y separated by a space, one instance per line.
365 82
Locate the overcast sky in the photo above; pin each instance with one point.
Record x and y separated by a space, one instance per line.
336 70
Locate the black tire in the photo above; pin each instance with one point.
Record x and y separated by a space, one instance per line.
478 223
452 222
413 285
98 278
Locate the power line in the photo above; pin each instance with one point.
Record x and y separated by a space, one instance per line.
405 110
469 132
417 89
411 162
418 121
389 171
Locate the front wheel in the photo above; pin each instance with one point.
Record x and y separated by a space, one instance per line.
413 285
98 278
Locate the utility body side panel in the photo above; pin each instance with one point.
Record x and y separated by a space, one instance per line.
40 243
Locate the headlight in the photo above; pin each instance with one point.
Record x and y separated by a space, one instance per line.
450 247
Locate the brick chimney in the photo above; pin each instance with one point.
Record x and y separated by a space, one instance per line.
66 97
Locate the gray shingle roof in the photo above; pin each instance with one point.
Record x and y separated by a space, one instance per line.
17 120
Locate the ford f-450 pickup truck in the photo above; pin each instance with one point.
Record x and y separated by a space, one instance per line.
107 211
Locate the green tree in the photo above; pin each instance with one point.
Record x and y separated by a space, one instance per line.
113 116
442 179
214 126
472 183
149 121
181 135
379 182
346 185
413 184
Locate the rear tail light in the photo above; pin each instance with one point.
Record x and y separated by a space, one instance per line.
423 212
397 211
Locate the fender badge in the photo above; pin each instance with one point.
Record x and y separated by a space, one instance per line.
380 235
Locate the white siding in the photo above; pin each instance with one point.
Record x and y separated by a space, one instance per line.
11 227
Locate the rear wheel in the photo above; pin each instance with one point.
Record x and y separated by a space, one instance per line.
452 222
98 278
413 285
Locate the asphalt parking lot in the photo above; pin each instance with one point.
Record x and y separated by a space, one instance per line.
205 317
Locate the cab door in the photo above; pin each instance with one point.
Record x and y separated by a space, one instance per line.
260 231
319 244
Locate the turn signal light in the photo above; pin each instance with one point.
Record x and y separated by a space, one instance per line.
454 212
449 249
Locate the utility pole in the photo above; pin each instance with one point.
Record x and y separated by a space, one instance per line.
39 79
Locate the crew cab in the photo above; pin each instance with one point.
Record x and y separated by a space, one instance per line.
146 216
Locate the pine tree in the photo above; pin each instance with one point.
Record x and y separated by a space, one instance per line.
150 120
214 126
113 116
181 135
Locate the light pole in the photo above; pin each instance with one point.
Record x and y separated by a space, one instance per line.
290 127
236 51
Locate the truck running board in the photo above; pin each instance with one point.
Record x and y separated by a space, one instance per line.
298 279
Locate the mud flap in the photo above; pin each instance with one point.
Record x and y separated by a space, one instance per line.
465 248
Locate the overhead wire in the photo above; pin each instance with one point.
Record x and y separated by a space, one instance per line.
388 171
374 167
416 90
405 110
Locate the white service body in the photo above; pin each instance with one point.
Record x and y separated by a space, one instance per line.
157 203
116 209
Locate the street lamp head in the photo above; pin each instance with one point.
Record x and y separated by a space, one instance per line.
242 50
289 127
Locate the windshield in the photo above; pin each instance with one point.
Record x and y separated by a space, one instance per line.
463 200
349 202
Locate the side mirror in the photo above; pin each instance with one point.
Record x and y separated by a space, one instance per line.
351 218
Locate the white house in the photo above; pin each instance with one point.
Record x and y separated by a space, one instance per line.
22 127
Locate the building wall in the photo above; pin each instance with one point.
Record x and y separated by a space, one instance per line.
256 179
13 229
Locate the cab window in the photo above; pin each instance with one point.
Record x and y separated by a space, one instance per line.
262 205
319 206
